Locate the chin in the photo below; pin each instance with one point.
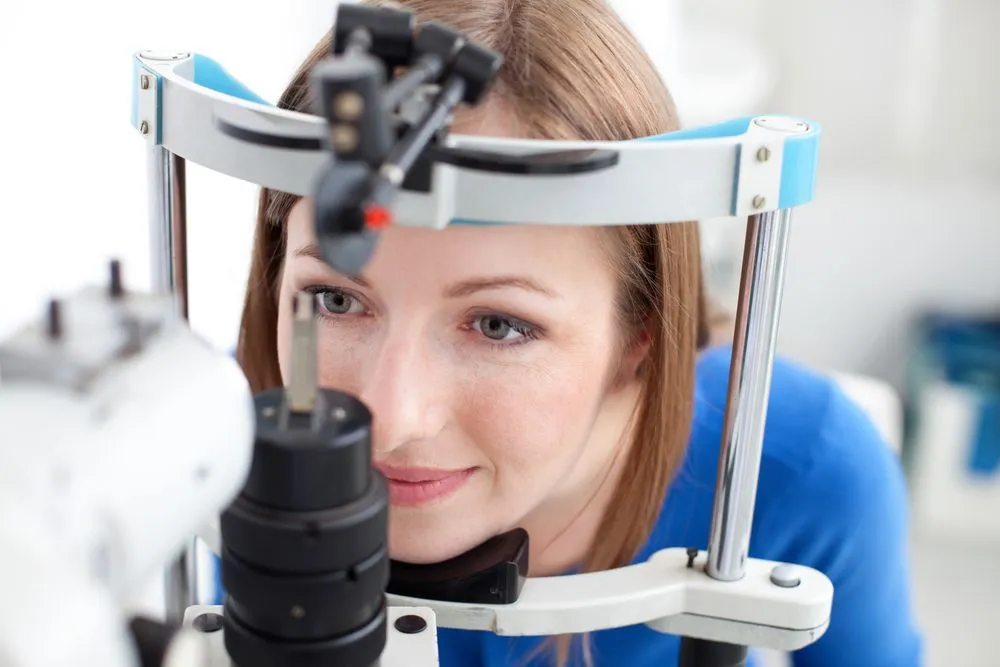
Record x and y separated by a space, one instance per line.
419 543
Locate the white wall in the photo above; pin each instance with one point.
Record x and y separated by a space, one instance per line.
74 192
908 209
878 250
907 212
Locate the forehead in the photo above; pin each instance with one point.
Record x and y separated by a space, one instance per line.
472 248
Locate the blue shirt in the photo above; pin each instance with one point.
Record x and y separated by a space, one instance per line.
831 496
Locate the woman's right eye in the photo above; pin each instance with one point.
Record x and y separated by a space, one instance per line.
331 301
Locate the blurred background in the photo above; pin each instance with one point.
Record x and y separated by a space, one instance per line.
894 276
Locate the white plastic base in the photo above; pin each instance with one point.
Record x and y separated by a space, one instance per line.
665 594
401 649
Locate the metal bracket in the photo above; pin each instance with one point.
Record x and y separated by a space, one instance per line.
758 188
147 116
148 86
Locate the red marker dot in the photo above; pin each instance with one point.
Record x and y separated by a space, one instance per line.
377 217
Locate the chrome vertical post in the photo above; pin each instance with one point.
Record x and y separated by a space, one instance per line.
168 224
168 263
758 312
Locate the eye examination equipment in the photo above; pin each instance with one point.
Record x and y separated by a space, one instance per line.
143 438
111 457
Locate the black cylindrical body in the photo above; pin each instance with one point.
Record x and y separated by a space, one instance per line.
304 555
705 653
307 462
391 31
478 67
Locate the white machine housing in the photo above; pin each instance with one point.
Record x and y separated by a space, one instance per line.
123 431
402 649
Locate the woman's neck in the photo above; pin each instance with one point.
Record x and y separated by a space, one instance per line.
565 527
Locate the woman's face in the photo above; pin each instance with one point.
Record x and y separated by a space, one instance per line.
489 357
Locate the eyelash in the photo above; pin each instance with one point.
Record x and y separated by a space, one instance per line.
528 332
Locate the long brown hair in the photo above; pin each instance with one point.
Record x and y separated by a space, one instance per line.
571 71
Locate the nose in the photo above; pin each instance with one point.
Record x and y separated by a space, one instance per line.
406 392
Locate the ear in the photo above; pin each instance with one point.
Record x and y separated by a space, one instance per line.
633 357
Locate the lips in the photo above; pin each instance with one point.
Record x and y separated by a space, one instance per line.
419 486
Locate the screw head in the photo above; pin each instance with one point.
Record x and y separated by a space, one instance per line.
144 82
116 286
785 576
208 623
345 138
144 128
410 624
763 154
54 320
349 105
759 201
392 173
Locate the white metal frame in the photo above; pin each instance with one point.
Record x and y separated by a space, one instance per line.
663 593
664 179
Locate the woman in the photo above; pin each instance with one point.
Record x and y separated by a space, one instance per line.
556 378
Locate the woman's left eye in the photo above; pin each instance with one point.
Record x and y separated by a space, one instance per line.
500 329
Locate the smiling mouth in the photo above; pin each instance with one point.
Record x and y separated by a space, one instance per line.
413 486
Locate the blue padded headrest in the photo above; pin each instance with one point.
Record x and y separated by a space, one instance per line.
212 75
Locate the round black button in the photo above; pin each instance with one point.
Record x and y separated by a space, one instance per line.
411 624
208 622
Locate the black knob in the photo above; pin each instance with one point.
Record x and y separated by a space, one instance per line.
310 462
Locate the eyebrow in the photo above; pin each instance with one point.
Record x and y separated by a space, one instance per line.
460 289
311 251
473 285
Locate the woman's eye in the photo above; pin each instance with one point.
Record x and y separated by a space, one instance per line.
498 328
335 302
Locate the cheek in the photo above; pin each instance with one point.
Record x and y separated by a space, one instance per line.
343 359
532 421
526 414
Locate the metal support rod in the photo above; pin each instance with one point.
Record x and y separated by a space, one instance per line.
168 225
754 345
181 583
168 262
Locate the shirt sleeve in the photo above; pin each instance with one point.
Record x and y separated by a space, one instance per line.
846 515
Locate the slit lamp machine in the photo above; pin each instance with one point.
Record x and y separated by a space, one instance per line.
126 436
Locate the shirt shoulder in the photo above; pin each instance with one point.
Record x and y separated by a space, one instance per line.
831 495
818 448
801 403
